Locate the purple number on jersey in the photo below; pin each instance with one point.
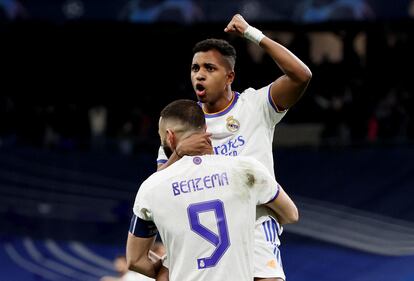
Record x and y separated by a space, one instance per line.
221 241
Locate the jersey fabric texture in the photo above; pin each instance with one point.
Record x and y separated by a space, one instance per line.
204 210
246 127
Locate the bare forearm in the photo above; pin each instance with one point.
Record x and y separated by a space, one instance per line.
284 208
163 275
290 64
137 251
147 267
283 220
287 89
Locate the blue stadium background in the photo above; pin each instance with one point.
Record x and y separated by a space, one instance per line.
344 152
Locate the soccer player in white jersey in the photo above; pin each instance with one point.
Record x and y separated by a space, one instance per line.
204 208
243 124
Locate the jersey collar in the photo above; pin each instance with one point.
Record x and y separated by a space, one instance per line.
225 110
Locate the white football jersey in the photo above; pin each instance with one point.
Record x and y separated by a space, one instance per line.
204 209
245 127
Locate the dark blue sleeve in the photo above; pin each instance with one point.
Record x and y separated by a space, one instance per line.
142 228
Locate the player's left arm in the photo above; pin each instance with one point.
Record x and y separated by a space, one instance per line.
137 253
284 208
288 88
270 193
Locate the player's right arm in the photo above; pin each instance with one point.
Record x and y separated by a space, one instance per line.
196 144
137 255
163 274
142 234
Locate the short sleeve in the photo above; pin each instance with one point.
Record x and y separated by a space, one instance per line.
142 204
142 224
262 100
162 158
265 187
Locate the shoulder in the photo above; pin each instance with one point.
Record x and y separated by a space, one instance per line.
219 161
247 161
248 164
153 180
216 159
255 92
237 163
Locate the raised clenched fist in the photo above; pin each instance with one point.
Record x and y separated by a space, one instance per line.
237 25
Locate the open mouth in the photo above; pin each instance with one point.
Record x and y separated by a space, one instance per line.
200 90
200 87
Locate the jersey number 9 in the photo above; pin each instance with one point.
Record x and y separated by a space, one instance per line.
221 241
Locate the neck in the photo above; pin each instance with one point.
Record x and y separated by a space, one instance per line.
202 143
220 104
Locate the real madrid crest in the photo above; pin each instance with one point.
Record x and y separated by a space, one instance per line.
233 125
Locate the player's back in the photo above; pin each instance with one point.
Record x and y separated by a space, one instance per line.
204 209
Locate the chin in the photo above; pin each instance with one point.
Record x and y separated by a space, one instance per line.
202 99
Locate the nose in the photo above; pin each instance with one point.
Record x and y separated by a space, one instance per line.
200 76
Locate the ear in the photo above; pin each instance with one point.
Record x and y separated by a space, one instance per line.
230 77
171 139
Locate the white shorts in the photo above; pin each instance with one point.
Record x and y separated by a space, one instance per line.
267 259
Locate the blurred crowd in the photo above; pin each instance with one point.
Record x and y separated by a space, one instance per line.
360 92
193 11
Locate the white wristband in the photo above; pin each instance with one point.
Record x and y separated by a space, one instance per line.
253 34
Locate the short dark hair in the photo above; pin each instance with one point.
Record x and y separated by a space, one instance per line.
220 45
185 111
